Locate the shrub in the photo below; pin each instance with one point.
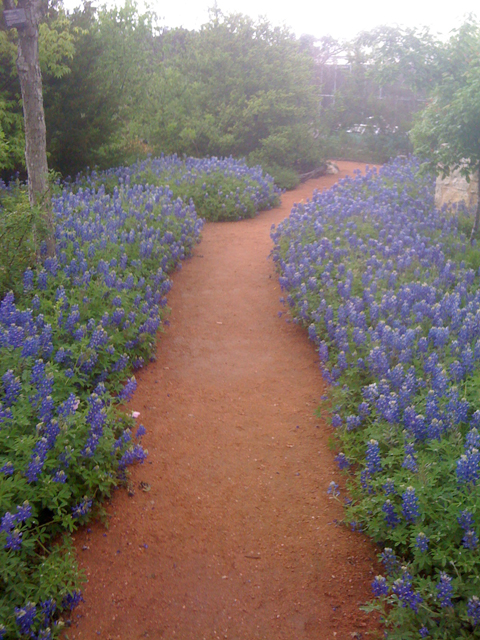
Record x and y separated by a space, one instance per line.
17 242
221 189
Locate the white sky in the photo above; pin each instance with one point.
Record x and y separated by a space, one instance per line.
341 19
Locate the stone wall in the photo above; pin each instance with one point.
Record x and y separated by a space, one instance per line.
455 189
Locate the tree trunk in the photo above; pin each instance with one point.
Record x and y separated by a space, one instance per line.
476 223
28 67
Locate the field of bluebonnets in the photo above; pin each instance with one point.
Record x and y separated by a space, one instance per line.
71 337
389 290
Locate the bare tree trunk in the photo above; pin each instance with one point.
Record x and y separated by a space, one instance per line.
28 67
476 223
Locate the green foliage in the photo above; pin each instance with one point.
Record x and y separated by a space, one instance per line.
83 107
236 87
12 143
56 44
368 146
208 195
447 133
220 189
379 80
17 242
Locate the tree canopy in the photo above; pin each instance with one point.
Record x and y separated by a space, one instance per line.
447 132
117 86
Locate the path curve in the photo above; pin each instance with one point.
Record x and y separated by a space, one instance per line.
229 532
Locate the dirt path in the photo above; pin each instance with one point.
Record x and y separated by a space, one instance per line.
235 536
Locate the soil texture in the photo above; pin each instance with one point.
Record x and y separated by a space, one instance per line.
227 530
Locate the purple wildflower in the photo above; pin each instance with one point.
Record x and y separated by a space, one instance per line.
24 617
72 600
403 589
128 390
380 586
82 508
445 590
342 461
410 505
391 517
373 457
333 489
141 431
473 609
421 542
14 540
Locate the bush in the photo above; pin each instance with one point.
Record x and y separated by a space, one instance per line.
378 276
221 189
17 241
369 146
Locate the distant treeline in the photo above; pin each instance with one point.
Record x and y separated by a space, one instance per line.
118 87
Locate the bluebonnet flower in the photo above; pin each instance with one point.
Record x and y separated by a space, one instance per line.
333 489
424 632
410 507
60 476
403 589
342 461
25 616
380 586
82 508
470 540
473 609
468 466
391 517
35 467
422 542
7 468
28 280
353 422
445 590
42 280
410 461
465 520
12 387
72 600
336 420
378 362
14 540
132 455
8 522
472 438
128 390
141 431
389 560
389 487
99 338
363 409
69 406
374 464
23 512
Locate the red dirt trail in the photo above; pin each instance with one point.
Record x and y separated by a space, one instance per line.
229 532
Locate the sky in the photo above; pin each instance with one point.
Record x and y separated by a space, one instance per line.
341 19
